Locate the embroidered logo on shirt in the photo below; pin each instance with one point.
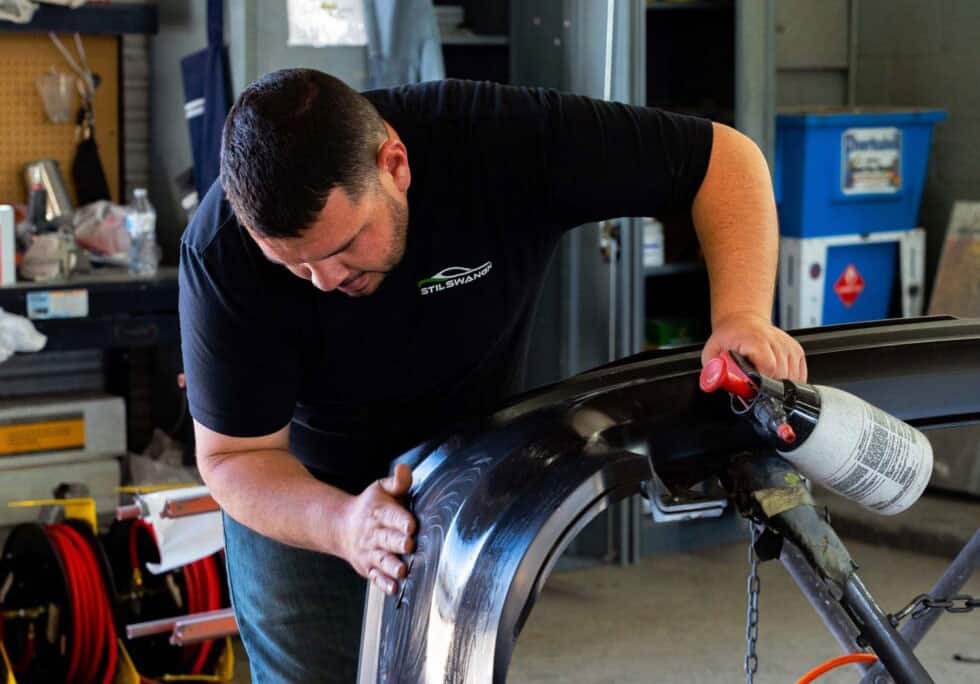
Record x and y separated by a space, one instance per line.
453 276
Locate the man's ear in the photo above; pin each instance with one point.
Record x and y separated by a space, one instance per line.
393 161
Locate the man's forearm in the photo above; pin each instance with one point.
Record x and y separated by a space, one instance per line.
272 493
735 218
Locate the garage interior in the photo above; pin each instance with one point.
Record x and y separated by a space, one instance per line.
868 116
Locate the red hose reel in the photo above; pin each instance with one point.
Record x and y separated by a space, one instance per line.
61 614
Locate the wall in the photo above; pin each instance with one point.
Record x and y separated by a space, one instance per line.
28 133
346 63
912 52
256 33
902 52
182 31
812 52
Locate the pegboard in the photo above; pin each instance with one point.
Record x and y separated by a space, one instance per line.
26 133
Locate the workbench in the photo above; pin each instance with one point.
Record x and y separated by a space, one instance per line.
119 335
122 310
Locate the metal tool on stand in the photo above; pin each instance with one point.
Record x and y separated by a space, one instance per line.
768 490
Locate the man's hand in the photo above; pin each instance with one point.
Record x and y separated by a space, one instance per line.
376 528
772 351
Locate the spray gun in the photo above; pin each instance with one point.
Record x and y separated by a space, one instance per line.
833 437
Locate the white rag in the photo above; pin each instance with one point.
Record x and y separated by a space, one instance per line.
18 334
182 540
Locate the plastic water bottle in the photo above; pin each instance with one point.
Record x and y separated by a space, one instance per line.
141 222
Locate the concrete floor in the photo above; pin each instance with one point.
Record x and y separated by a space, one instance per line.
681 619
939 523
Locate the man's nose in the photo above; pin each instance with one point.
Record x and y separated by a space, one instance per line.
326 275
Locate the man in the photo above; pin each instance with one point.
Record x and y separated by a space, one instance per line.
366 274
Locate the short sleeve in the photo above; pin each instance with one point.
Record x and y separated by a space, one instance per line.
556 159
240 361
604 160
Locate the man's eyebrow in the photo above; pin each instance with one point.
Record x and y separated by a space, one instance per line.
343 246
340 249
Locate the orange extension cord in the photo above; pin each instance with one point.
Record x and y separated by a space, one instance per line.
835 663
90 610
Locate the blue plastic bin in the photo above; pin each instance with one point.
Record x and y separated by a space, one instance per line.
854 170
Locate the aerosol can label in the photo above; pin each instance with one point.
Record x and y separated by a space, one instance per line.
864 454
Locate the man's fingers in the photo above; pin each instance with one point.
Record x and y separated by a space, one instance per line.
399 482
390 565
781 355
386 571
383 581
710 351
793 357
762 357
391 541
395 517
772 351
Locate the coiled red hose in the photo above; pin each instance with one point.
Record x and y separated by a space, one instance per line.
93 641
203 594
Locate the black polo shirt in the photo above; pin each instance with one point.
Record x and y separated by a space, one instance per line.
498 174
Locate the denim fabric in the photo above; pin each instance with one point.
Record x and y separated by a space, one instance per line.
299 612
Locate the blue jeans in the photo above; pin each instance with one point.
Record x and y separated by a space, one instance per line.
299 612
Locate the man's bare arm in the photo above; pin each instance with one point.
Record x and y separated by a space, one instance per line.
259 483
735 218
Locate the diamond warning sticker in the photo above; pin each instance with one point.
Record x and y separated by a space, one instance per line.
849 285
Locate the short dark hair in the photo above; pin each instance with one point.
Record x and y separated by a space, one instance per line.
290 138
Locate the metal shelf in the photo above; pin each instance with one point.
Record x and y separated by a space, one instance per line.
698 5
470 38
673 268
112 19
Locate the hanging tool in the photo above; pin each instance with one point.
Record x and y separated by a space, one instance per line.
86 169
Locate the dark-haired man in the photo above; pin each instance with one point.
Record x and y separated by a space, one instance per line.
365 274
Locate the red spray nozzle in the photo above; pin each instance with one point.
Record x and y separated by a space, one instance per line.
722 372
786 433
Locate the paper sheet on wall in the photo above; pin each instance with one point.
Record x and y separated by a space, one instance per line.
321 22
182 540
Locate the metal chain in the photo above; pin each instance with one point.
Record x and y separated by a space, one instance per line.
923 603
752 612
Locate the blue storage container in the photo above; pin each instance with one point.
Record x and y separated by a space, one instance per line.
858 282
853 170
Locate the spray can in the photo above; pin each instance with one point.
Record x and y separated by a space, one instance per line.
833 437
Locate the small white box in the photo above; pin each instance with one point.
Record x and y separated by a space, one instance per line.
8 246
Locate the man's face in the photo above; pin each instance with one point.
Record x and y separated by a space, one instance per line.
351 246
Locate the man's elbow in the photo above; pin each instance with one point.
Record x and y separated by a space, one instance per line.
207 463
